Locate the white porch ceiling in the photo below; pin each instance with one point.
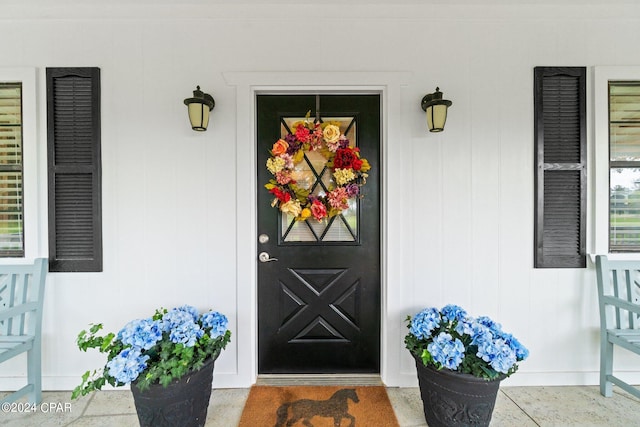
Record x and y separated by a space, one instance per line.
177 3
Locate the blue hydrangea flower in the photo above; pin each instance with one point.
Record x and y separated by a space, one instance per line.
447 351
504 358
176 317
216 321
186 333
494 327
425 322
521 351
480 334
486 346
141 333
466 326
443 334
191 310
498 354
127 365
453 312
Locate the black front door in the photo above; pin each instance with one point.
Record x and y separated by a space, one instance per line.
319 286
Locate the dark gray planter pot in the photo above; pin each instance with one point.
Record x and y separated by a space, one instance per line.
182 403
452 399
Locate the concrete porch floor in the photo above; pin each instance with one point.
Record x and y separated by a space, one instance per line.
515 406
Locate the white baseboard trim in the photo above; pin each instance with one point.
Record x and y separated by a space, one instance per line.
319 380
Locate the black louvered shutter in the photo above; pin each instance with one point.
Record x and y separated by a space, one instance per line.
75 211
561 167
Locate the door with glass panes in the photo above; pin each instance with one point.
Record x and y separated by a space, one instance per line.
319 280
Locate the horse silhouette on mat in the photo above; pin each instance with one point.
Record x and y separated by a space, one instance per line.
336 407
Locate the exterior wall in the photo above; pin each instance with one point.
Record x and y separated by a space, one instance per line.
178 206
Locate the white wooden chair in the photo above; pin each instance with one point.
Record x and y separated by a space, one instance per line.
21 298
619 299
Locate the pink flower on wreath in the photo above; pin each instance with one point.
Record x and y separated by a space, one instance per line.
288 160
338 198
315 138
317 134
333 146
302 133
315 144
318 210
284 177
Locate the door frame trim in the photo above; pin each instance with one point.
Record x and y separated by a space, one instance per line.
250 84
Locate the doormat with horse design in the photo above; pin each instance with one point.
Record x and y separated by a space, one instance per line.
309 406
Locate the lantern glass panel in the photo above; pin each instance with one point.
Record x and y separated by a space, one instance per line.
436 117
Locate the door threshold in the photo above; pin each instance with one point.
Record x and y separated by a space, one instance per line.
319 379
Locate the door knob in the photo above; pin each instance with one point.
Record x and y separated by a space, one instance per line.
264 257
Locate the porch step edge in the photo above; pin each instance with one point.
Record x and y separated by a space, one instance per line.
319 379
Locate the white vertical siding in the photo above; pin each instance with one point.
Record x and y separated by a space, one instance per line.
178 206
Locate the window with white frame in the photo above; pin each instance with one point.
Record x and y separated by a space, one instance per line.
19 175
617 160
624 166
11 170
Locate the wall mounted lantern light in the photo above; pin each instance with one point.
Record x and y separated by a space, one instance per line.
436 109
199 107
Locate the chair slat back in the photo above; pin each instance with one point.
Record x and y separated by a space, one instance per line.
618 293
21 298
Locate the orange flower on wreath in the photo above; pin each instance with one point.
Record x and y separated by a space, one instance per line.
280 147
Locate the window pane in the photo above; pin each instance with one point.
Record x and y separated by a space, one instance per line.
11 233
11 198
624 121
311 175
624 209
10 104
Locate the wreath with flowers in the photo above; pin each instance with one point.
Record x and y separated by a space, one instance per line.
347 168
